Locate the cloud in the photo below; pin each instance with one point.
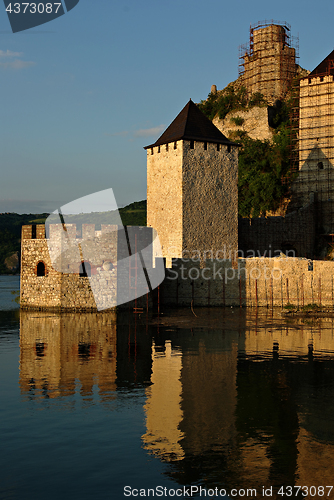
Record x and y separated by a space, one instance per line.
143 132
147 132
18 64
9 53
8 60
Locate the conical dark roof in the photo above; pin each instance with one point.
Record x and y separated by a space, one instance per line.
326 67
191 124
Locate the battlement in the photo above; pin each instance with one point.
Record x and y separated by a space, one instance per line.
315 80
82 231
33 232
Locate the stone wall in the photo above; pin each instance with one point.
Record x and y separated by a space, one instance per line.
38 291
316 148
210 197
63 285
164 195
268 236
316 125
267 282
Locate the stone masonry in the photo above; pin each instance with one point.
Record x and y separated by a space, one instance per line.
61 283
268 282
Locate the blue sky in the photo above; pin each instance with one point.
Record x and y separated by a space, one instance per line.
82 95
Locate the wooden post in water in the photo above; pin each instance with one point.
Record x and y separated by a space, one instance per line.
224 302
177 291
282 290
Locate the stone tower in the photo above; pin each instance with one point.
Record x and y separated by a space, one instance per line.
268 61
192 188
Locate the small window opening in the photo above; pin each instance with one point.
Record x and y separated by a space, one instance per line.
85 270
229 148
192 144
310 265
320 165
40 349
175 145
158 149
321 78
166 147
205 146
309 80
151 151
41 269
218 147
84 350
33 232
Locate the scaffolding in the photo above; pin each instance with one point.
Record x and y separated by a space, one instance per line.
316 146
306 226
267 63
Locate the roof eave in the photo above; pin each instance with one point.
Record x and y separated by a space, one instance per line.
198 139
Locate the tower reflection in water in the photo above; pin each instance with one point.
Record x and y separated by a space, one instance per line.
58 352
241 400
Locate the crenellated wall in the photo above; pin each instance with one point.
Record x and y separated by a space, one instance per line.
58 282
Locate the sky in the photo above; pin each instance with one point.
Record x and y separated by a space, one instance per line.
83 94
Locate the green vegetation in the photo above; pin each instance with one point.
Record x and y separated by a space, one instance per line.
10 236
231 98
307 308
264 167
16 294
134 214
311 307
237 120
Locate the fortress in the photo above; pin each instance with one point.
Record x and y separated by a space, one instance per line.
192 202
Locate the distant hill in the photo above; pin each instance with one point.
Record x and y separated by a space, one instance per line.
11 224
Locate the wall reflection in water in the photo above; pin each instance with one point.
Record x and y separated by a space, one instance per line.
246 405
233 398
62 354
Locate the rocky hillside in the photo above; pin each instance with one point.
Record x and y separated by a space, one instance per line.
266 140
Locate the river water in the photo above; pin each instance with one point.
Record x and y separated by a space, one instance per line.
202 403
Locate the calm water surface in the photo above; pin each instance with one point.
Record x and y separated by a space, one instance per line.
233 399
